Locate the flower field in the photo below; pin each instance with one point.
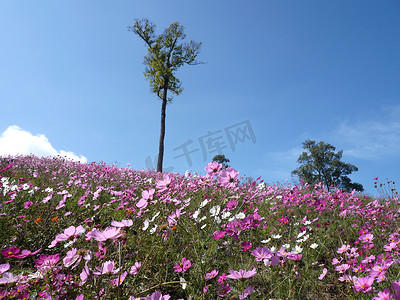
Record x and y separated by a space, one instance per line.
95 231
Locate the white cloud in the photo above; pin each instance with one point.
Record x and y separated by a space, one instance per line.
372 138
17 141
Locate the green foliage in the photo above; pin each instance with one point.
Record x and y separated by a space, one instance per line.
165 54
321 164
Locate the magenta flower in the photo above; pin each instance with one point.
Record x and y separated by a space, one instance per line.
241 274
101 236
106 268
212 274
246 245
228 177
135 268
262 253
122 224
183 266
28 204
84 274
71 233
10 252
363 284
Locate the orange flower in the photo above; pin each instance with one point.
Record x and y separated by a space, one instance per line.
55 218
174 228
38 219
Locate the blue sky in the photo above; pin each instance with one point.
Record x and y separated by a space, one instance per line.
276 73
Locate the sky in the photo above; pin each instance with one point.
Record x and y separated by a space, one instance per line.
275 74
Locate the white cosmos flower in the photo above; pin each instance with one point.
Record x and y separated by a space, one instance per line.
214 211
204 203
202 219
153 229
286 246
183 283
196 214
155 216
297 249
202 227
240 216
226 215
145 225
273 249
301 234
276 236
314 245
265 241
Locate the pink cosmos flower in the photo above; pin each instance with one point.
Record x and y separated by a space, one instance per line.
45 263
366 238
80 297
71 233
101 236
246 292
363 284
106 268
221 278
241 274
324 271
120 279
228 177
343 249
164 184
212 274
262 253
342 268
84 274
158 296
385 295
122 224
213 167
396 287
146 196
4 268
72 258
26 253
135 268
8 278
183 266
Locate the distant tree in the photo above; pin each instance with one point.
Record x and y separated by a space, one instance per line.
222 160
321 164
165 54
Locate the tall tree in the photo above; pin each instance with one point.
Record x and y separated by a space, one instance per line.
222 160
165 54
321 164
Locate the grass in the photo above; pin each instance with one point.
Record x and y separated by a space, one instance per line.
188 237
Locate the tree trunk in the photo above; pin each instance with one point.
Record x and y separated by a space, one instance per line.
162 130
